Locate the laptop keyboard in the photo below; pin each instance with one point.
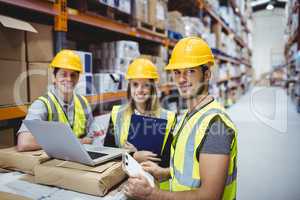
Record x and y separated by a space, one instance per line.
95 155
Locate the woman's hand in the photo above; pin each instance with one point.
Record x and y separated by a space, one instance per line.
143 156
130 147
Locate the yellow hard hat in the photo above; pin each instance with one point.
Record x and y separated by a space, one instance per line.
190 52
142 68
67 59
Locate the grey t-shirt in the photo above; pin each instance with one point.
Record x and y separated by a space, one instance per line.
38 110
217 139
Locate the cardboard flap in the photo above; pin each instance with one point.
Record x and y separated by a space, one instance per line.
13 23
38 153
10 196
78 166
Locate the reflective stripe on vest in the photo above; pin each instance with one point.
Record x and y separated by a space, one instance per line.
186 177
56 113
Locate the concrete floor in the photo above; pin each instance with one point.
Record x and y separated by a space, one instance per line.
268 145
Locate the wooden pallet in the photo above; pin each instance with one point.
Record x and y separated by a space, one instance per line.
151 29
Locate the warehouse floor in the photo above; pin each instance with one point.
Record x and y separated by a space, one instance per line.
269 142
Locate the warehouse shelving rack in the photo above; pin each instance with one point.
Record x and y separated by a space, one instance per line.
292 73
54 11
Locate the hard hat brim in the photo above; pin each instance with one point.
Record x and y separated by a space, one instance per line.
187 65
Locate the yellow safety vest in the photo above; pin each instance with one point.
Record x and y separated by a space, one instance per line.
121 117
56 113
184 166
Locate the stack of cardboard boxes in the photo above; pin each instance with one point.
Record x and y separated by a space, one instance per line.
24 71
175 22
85 85
12 66
111 62
153 12
122 5
41 169
40 52
17 56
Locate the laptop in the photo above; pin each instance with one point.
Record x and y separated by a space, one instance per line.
58 141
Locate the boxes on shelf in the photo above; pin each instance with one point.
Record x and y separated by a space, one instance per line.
214 90
85 85
160 64
297 89
40 45
86 59
214 4
175 22
234 71
223 72
12 44
108 2
40 77
210 39
152 11
297 58
114 56
140 10
119 65
13 82
161 14
7 138
124 48
192 26
124 6
108 82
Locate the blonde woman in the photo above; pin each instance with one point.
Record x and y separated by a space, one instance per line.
142 100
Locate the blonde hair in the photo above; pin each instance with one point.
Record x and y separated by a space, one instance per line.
152 104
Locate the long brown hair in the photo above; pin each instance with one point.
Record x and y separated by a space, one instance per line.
152 104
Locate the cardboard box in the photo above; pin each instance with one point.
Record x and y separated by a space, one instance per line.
40 76
40 45
86 59
7 138
126 49
140 10
13 83
107 82
152 12
161 14
10 196
85 85
96 180
11 159
125 6
12 44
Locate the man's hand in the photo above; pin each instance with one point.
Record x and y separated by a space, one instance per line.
158 172
86 140
138 188
143 156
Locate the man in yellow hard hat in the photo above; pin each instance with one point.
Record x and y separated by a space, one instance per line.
60 103
204 149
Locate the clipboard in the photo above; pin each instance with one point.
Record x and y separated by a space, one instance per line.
147 133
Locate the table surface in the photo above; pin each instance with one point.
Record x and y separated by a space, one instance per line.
21 184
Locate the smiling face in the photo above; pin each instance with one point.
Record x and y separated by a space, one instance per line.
140 90
65 80
190 82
